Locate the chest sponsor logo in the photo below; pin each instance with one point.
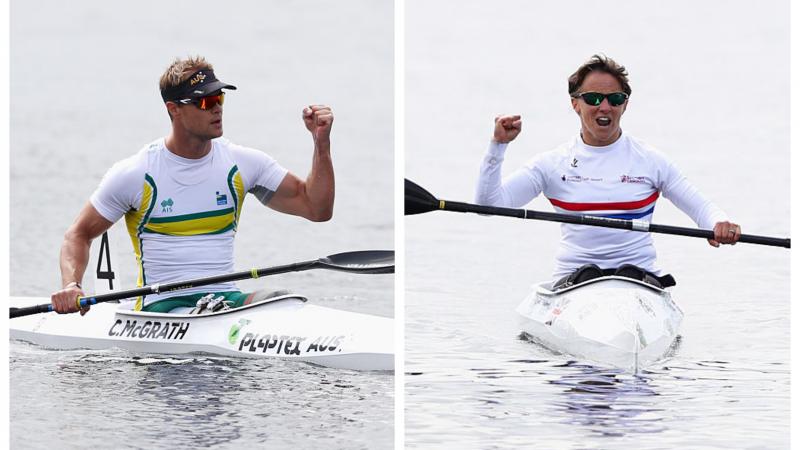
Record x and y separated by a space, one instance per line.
166 205
222 199
151 329
578 178
289 345
630 179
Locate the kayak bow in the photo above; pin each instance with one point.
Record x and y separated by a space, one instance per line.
615 321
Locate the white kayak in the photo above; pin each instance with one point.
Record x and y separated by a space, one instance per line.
285 327
610 320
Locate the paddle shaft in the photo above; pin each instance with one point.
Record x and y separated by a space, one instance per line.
180 285
635 225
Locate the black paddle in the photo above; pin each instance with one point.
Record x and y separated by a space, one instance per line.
368 262
418 201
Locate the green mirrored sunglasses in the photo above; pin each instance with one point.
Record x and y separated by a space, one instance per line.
595 98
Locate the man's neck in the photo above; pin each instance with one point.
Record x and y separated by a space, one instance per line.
187 146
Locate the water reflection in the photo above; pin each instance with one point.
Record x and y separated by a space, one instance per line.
609 402
198 394
205 401
606 401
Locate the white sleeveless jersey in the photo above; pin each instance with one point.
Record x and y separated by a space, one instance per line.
182 214
622 180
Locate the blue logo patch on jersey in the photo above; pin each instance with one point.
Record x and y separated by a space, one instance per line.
222 199
166 205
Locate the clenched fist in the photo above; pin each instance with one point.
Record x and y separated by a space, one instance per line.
318 120
507 128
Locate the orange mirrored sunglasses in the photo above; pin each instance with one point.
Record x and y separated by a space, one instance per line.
205 103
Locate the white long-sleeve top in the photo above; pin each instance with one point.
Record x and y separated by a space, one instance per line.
622 180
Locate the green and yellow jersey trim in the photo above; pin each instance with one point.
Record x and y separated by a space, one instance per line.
236 186
135 221
209 222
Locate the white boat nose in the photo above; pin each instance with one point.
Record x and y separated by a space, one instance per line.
611 325
615 321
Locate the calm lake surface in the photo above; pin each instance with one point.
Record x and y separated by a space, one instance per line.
471 382
84 78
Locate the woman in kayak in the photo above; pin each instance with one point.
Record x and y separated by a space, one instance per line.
601 172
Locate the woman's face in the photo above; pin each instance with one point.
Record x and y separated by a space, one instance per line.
600 124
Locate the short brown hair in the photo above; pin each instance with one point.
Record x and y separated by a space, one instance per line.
181 69
600 63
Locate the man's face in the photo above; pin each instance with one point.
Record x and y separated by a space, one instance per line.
600 125
204 124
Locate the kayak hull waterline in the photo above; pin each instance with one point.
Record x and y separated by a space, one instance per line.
285 327
615 321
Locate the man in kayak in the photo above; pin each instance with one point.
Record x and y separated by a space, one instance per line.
182 195
601 172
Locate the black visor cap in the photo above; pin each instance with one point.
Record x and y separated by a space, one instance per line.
201 84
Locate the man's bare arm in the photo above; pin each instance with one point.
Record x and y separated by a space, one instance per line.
312 198
75 256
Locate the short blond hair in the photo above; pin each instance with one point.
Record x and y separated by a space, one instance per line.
181 69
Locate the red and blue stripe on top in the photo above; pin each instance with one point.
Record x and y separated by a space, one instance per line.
629 210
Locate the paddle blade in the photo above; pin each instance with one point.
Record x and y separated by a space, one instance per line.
418 200
368 261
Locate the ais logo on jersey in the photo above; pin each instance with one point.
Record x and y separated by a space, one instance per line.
222 199
166 205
